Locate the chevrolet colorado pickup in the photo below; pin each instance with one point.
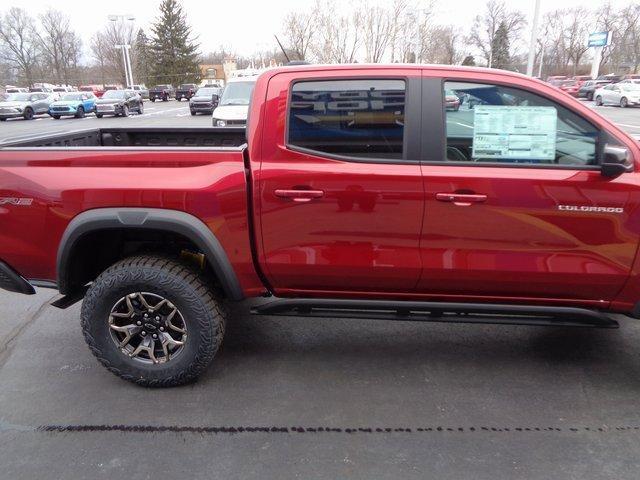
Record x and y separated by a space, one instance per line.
356 194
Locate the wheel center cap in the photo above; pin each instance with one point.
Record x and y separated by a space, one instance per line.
150 326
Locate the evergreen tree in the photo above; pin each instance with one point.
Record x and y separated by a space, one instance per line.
142 58
500 48
175 53
469 61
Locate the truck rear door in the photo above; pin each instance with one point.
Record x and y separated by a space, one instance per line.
516 206
340 190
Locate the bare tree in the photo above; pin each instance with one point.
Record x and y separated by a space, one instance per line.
576 31
298 32
107 55
485 27
60 45
338 36
18 43
377 24
447 49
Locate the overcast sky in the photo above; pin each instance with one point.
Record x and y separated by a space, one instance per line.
249 25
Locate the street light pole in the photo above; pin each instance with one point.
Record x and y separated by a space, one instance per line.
534 38
125 47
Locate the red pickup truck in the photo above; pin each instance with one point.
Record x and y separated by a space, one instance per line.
356 194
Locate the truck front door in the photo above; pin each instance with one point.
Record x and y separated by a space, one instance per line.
516 206
340 190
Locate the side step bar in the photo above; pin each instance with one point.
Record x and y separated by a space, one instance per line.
447 312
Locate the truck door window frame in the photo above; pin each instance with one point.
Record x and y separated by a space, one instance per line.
411 144
434 120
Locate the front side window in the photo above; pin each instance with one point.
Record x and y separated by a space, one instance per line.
498 124
355 118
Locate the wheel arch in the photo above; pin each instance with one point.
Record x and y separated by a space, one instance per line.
153 219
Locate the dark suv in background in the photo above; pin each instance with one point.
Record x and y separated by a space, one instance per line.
186 90
119 102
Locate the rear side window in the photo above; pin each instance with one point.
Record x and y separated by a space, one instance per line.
498 124
353 118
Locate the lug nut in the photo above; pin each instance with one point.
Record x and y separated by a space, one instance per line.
157 318
143 333
146 315
162 329
155 336
138 322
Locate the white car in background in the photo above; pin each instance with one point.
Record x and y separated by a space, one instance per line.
622 94
233 107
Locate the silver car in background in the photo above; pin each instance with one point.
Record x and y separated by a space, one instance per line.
622 94
26 105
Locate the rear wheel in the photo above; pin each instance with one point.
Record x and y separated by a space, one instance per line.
140 108
98 115
56 117
80 112
624 103
599 100
153 100
125 111
153 321
28 113
3 119
165 98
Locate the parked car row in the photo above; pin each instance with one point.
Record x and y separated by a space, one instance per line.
75 104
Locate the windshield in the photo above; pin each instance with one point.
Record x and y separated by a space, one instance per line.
115 94
206 92
72 96
237 93
19 97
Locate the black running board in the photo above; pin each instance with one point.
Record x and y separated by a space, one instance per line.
484 313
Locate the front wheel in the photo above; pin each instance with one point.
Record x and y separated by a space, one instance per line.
624 103
125 111
153 100
141 108
98 115
599 100
80 112
193 112
56 117
153 321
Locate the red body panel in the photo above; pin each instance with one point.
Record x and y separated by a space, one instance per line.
207 184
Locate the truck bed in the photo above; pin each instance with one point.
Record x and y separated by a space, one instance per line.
138 137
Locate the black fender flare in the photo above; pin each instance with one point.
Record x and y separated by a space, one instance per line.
173 221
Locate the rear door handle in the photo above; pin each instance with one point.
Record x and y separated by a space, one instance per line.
462 199
299 196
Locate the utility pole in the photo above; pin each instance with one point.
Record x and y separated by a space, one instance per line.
125 47
534 38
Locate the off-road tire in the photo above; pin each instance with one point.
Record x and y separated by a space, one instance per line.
204 315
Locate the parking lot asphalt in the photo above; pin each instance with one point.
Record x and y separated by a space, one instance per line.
176 114
325 398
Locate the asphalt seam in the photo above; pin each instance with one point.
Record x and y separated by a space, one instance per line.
6 347
323 430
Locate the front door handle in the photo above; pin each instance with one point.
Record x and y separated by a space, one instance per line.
461 199
299 196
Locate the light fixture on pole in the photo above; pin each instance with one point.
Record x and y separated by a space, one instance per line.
125 47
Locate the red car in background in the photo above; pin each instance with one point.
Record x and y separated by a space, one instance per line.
571 87
95 89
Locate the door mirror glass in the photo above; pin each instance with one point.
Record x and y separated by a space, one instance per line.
615 161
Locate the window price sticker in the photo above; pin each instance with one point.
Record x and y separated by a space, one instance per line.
514 133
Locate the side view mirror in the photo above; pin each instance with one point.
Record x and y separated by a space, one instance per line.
615 162
215 99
